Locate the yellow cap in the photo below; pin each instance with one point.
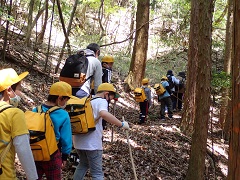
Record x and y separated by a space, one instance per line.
164 78
61 89
106 87
145 81
8 77
108 59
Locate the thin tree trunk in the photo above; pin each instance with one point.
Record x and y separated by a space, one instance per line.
29 27
68 32
6 32
204 10
234 147
63 26
1 3
44 26
224 121
100 16
40 12
129 49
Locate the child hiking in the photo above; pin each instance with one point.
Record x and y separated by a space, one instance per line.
147 103
165 99
89 146
59 94
14 135
107 63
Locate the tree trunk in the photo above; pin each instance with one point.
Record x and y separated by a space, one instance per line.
139 55
129 49
40 12
63 26
225 122
6 32
100 17
1 3
204 11
234 147
29 27
189 111
68 32
41 34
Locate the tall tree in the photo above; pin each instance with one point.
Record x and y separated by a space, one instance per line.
189 111
68 32
29 27
139 55
44 26
201 28
234 148
224 110
63 26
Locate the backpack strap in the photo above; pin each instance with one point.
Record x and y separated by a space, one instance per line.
4 107
5 151
88 78
3 154
98 118
54 108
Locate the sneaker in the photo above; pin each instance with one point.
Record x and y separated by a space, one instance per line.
162 119
169 117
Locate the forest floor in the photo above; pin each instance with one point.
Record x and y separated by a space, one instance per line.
159 149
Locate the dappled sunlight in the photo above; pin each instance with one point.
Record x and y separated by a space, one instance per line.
123 103
218 148
224 168
172 128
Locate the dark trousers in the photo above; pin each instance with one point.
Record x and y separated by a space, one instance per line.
179 100
167 101
174 100
143 111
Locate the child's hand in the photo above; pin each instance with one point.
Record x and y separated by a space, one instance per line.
125 125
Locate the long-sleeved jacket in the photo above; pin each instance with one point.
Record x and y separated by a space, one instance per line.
94 70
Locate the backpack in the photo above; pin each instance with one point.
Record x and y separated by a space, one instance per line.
139 94
81 115
42 136
181 85
160 90
75 69
7 148
170 81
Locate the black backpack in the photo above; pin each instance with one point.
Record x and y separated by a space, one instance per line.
75 69
170 82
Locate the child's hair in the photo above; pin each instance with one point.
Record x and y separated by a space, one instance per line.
94 47
14 87
53 98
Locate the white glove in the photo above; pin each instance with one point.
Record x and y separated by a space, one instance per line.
125 125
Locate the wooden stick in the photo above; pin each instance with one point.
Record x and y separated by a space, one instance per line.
114 113
130 152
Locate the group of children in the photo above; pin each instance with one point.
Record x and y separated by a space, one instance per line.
170 100
14 135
